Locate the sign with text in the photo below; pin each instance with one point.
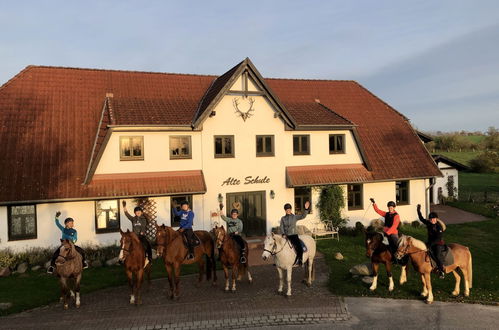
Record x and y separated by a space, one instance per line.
230 181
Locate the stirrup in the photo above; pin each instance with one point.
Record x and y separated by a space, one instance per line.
146 262
85 265
50 270
242 260
190 256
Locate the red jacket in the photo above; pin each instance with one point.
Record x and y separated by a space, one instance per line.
396 221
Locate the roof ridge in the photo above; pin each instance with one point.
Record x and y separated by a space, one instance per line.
311 79
116 70
19 74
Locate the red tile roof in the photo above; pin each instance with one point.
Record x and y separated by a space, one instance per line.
314 175
49 118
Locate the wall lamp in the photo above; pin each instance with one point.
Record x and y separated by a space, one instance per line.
272 194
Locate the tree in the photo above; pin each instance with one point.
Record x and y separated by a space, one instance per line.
331 202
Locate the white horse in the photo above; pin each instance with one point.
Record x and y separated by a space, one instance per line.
284 255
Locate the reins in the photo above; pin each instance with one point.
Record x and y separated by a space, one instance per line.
272 253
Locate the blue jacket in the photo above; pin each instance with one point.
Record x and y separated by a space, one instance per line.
186 218
67 233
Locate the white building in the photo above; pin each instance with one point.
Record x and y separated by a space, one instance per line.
82 140
449 182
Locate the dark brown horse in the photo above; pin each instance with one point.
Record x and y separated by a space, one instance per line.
132 254
230 257
69 270
171 247
380 254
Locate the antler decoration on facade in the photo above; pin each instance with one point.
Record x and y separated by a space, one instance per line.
243 114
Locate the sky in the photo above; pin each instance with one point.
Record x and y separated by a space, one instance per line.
437 62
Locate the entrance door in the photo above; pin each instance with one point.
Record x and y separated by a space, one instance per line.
252 211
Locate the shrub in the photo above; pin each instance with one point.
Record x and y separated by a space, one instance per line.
7 258
415 223
486 162
101 253
330 204
359 227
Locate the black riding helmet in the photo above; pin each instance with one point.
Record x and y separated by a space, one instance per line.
391 203
287 206
184 203
137 208
432 215
234 211
68 220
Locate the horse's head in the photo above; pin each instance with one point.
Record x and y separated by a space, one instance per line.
66 252
404 244
161 239
269 246
219 235
125 243
373 240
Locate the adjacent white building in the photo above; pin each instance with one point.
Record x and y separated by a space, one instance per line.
447 185
83 140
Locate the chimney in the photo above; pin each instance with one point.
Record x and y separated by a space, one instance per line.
110 95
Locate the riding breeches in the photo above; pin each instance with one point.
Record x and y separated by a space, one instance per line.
393 242
437 251
239 240
297 245
189 237
146 245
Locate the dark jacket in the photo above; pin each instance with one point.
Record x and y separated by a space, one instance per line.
288 223
139 224
435 231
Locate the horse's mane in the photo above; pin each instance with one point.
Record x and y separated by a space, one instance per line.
415 242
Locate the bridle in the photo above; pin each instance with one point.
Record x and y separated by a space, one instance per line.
66 258
273 252
125 250
222 239
406 249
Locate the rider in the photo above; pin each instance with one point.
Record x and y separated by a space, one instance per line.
234 228
288 229
392 221
139 226
436 229
186 219
69 233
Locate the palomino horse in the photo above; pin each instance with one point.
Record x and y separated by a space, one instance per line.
418 253
285 255
171 247
132 254
69 270
230 257
380 254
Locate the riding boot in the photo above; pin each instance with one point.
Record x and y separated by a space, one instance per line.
243 256
190 256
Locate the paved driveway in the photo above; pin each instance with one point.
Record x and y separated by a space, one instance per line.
452 215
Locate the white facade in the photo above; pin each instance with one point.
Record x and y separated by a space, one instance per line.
440 189
221 174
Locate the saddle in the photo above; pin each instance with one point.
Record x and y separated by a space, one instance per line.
447 256
303 246
195 241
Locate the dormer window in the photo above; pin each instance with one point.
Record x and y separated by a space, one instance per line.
336 143
131 148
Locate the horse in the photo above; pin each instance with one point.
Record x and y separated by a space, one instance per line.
132 255
380 254
69 269
171 247
420 259
284 255
230 257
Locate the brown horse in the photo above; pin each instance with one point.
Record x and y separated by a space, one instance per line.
380 254
171 247
420 259
132 254
230 257
69 270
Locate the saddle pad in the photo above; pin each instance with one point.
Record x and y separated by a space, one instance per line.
448 257
303 246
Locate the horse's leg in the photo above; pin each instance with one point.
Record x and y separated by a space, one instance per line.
424 293
250 279
281 280
176 267
289 273
388 266
427 277
403 275
235 274
129 275
458 283
138 280
226 273
170 278
64 291
375 277
466 281
77 289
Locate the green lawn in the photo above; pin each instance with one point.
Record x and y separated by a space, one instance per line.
480 237
34 289
478 182
463 157
475 138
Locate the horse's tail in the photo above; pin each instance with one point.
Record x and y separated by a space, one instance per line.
470 270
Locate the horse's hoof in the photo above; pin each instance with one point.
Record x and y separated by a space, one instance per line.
77 305
226 289
309 284
428 302
424 295
288 296
66 306
466 294
233 291
455 294
372 289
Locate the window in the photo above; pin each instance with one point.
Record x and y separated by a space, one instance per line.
355 197
224 146
301 144
336 143
264 145
107 216
175 202
22 222
131 148
180 147
402 192
302 194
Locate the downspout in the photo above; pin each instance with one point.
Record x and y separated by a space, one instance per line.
432 183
